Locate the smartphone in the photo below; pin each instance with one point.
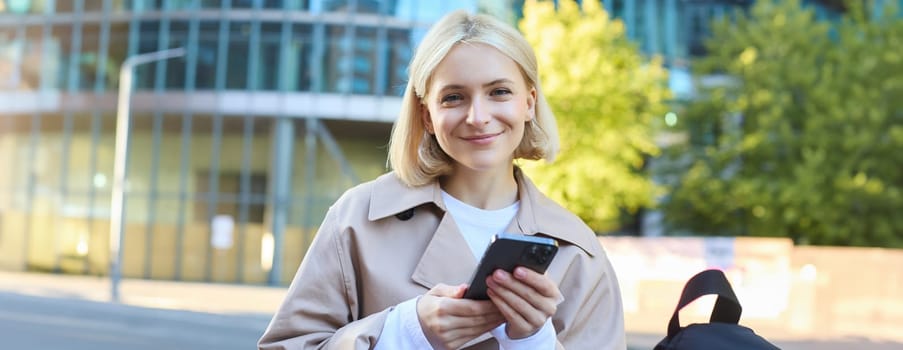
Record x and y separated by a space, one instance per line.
507 251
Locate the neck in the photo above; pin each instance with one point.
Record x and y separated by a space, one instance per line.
489 189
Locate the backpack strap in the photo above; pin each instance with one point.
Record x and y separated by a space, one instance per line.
727 309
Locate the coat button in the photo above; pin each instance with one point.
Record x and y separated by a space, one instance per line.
405 215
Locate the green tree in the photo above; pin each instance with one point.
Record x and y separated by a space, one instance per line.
806 138
604 94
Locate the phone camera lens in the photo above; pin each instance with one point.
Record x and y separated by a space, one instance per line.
540 254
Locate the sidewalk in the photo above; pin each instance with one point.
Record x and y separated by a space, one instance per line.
189 296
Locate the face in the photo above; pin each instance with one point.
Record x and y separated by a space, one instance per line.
477 106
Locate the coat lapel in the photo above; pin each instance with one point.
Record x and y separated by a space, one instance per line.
447 259
540 215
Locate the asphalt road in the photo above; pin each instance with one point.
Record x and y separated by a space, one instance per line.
31 322
72 323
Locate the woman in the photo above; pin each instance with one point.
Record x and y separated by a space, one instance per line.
391 260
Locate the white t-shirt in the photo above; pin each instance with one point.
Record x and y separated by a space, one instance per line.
478 225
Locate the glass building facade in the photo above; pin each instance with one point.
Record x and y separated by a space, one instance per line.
275 109
237 148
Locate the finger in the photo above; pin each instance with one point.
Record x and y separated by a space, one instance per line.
516 321
470 308
444 290
521 309
540 282
537 300
462 335
459 292
474 331
459 313
455 321
481 325
462 329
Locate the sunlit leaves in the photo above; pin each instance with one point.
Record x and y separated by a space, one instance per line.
604 94
816 154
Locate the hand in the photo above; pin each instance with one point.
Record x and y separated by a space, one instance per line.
449 321
525 298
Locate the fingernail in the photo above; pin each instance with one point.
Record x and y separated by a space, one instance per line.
520 272
501 275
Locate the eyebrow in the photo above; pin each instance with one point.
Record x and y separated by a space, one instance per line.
491 83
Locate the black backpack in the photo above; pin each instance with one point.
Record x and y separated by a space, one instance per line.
722 331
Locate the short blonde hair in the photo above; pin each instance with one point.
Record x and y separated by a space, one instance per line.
414 154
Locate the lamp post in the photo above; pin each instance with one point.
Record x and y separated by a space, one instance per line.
120 158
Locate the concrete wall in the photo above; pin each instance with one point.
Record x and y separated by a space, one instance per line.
787 291
857 291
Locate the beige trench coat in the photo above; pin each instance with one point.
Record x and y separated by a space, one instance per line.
368 257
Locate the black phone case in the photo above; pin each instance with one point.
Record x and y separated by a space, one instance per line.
508 251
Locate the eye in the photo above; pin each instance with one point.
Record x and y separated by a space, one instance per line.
500 92
451 99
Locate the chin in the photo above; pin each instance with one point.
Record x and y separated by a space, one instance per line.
484 164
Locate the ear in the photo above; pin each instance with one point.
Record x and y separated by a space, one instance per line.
426 120
531 104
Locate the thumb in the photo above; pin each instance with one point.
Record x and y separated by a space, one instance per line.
444 290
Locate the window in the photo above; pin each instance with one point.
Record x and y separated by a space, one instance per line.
297 67
237 73
148 41
337 62
268 60
176 69
399 54
208 47
362 66
229 196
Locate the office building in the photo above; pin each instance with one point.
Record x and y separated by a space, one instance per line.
235 149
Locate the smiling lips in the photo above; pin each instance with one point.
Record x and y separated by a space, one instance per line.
481 139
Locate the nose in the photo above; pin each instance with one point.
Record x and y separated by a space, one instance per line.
477 114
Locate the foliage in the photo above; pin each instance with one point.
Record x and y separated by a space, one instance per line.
604 95
807 140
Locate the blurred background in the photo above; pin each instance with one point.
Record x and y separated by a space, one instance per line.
758 137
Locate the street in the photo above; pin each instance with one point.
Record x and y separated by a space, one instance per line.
68 321
31 322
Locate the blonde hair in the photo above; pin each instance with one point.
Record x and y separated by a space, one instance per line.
413 153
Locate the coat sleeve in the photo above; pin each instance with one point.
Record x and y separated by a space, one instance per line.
596 312
320 309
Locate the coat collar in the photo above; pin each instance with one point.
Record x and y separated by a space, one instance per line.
537 214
